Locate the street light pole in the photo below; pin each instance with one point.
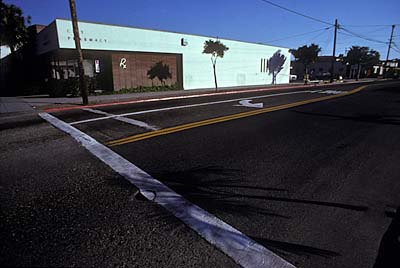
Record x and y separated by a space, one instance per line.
82 82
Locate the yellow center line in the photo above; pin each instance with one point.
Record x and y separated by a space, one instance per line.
170 130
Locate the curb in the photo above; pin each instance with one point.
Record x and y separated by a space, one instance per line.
164 98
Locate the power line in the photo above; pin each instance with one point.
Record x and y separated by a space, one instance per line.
365 26
352 36
319 20
345 39
318 35
327 41
361 36
336 25
376 30
295 12
297 35
396 47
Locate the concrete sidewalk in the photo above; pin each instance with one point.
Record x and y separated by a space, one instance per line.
14 105
42 102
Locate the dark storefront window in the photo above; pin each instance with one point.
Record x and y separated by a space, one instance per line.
64 69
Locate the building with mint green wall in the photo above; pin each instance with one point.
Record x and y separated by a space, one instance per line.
121 57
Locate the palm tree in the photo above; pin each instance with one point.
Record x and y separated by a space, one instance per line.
13 29
217 50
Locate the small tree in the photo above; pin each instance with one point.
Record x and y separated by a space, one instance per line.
13 32
275 65
217 50
306 55
362 57
159 70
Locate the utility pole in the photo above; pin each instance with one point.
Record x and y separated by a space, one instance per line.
390 46
82 81
334 52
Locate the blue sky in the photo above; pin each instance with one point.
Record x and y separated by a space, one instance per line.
247 20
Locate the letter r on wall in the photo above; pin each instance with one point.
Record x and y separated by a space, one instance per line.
122 63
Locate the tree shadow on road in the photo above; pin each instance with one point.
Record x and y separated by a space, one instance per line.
220 191
364 118
389 249
389 89
211 187
284 247
216 189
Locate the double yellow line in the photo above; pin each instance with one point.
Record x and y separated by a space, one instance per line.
170 130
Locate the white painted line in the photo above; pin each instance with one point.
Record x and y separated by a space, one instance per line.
50 110
232 242
123 119
176 97
186 106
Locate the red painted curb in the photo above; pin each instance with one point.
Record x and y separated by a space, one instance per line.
49 110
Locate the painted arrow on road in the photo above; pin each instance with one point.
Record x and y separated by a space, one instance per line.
247 103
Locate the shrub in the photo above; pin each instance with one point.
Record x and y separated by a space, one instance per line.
55 88
146 89
68 87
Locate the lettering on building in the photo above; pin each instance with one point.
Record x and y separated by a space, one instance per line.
122 63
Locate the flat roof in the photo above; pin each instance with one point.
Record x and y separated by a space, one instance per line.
156 30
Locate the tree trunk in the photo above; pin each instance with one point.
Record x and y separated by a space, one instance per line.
306 75
358 72
215 78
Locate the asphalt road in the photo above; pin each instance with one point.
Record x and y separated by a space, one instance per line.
311 183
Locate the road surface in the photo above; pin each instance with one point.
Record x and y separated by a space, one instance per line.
305 173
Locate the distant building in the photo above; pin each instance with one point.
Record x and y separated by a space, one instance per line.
119 57
321 69
383 66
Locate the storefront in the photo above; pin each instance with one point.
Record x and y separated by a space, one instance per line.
120 57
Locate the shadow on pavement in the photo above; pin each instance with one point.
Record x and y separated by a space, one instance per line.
390 89
296 249
310 202
208 187
20 124
365 118
212 188
389 249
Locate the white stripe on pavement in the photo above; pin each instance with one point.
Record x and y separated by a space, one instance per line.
232 242
187 106
123 119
